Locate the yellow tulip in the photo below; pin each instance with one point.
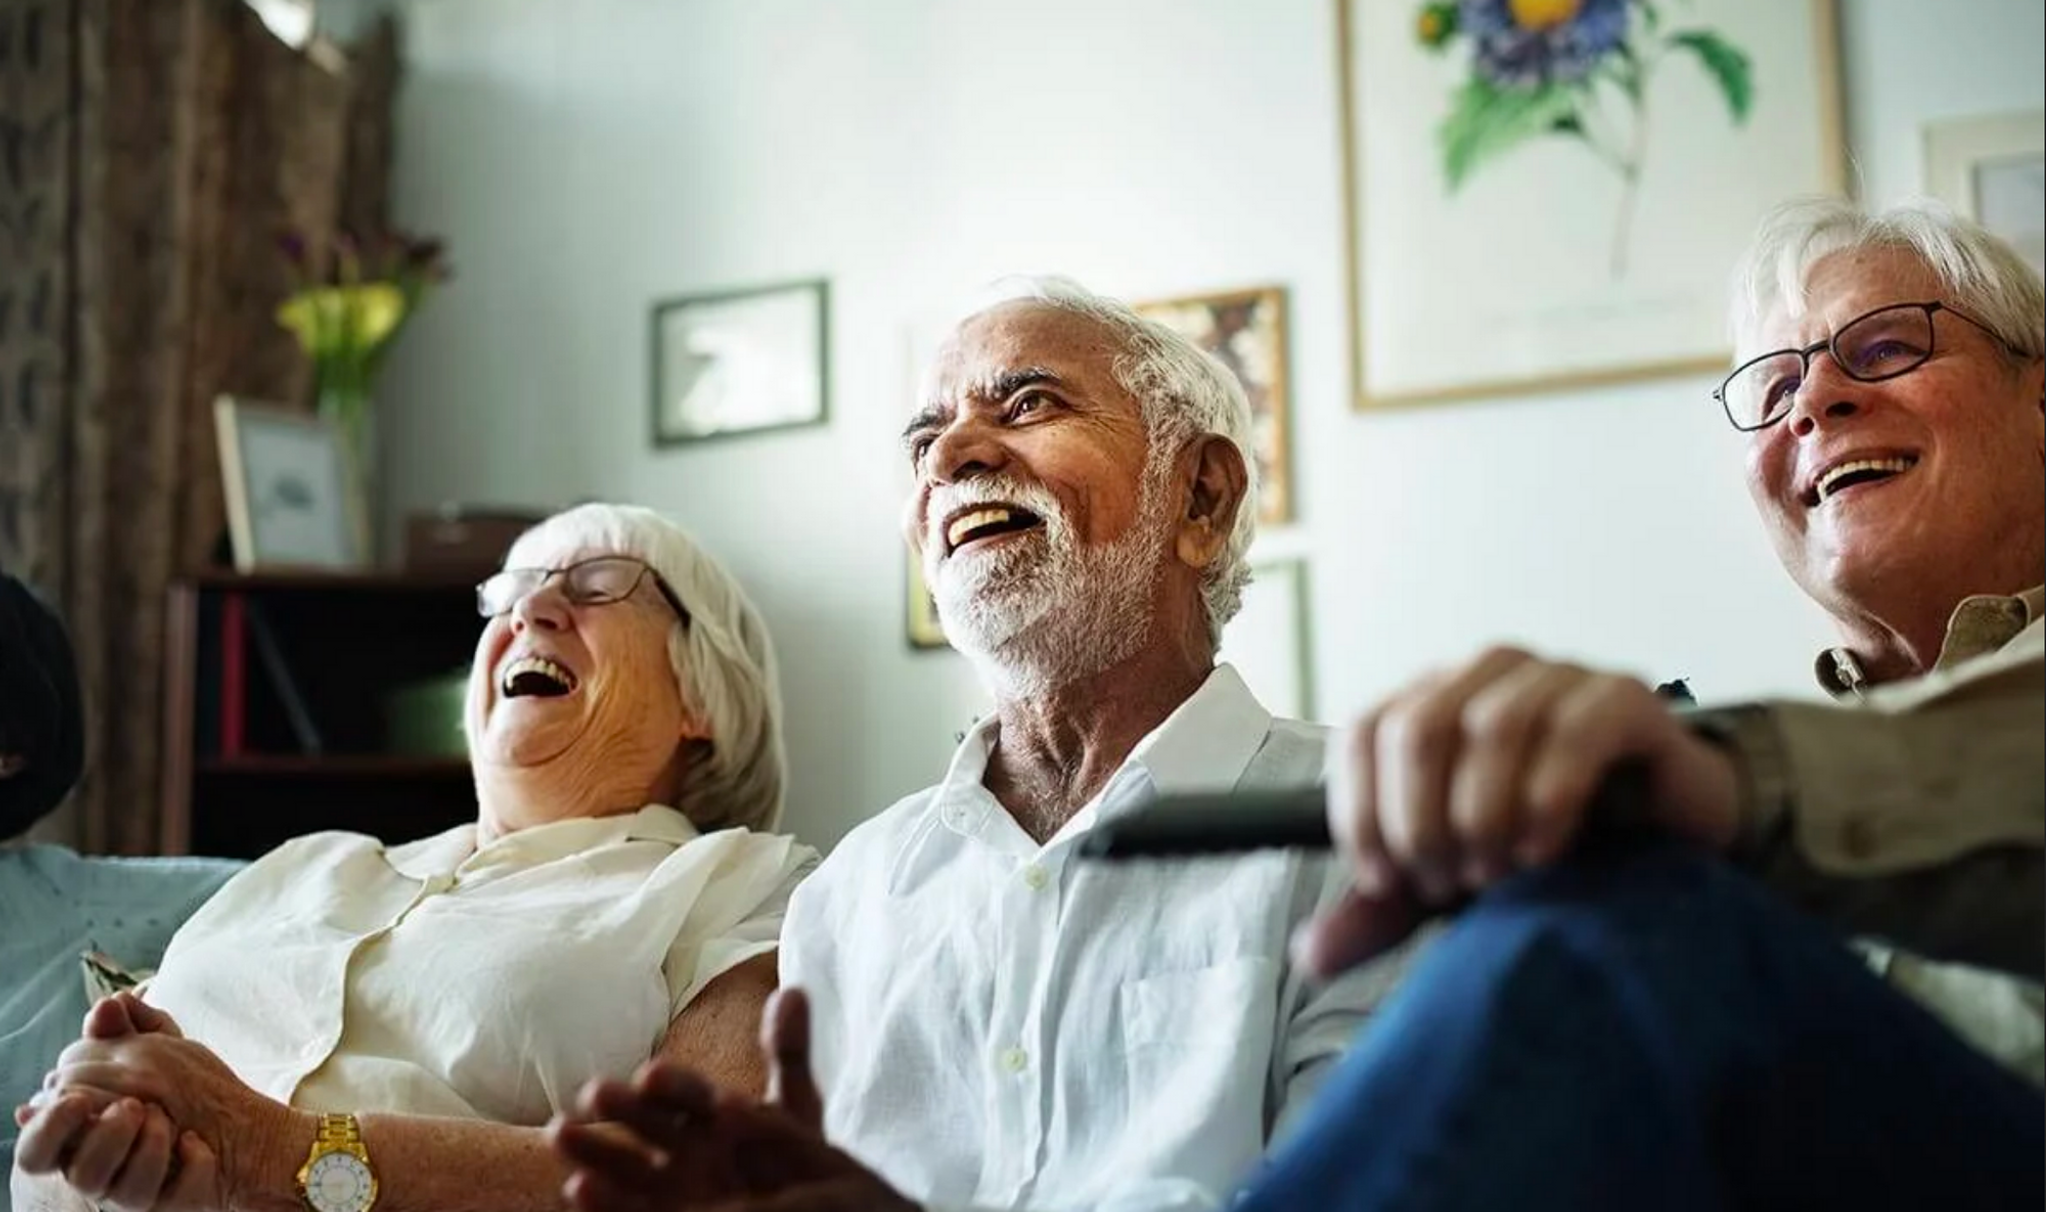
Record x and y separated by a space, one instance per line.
330 319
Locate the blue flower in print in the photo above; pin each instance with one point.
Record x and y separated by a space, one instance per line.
1529 43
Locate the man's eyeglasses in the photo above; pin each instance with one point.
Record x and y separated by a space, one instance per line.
593 582
1882 344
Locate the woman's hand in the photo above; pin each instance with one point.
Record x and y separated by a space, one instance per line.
120 1154
99 1122
1469 775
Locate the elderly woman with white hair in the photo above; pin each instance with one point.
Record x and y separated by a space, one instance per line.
348 1024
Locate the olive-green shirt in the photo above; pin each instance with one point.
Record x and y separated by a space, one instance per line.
1913 814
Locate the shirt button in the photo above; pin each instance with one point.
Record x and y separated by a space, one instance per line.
1035 877
1015 1060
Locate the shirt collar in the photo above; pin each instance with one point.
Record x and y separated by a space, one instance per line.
539 844
1207 741
1204 745
1980 624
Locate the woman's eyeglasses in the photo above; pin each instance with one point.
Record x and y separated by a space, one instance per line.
593 582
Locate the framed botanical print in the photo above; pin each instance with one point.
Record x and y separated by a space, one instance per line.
1551 196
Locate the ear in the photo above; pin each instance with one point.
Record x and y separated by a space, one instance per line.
1217 484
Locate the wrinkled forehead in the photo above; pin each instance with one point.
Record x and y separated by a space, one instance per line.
993 347
1837 288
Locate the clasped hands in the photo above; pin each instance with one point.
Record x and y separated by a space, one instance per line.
135 1116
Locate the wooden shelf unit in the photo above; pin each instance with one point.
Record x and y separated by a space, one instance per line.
239 775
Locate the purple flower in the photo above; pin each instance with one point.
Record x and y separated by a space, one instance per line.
1524 44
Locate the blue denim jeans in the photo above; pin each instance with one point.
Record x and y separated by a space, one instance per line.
1640 1027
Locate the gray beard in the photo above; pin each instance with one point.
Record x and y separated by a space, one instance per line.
1032 620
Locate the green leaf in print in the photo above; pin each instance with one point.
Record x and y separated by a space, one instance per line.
1727 64
1486 122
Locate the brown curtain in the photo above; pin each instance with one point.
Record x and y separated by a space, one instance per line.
151 151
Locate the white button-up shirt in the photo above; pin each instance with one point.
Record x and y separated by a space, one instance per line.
1000 1025
440 978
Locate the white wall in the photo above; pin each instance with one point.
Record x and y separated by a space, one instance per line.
587 156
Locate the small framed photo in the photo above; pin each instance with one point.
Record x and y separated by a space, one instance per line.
921 625
1246 331
1993 169
1270 641
293 497
740 362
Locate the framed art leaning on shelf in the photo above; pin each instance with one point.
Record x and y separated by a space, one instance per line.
293 498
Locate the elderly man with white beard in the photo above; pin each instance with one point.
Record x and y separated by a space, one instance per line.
995 1024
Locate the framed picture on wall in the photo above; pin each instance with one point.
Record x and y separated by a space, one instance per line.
1993 169
1270 641
293 499
1543 197
1246 331
921 624
739 362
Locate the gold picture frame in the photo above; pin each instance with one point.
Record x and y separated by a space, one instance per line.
294 497
921 625
1512 234
1246 331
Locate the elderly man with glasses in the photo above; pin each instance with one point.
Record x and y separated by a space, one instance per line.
1621 1020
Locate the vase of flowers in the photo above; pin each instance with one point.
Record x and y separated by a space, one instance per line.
349 306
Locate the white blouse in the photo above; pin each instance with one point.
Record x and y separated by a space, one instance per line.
439 978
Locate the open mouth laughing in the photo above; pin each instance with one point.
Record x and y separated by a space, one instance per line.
1854 472
535 676
986 523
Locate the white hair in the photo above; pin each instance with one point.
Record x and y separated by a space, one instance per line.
1185 393
722 659
1981 275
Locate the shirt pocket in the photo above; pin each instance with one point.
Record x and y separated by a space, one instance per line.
1197 1052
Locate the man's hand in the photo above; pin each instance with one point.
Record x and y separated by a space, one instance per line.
669 1140
118 1151
1468 775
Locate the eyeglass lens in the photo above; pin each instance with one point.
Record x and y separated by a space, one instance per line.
588 583
1877 346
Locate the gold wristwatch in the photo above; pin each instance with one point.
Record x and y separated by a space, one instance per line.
336 1176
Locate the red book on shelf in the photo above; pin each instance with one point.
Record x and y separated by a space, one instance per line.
233 674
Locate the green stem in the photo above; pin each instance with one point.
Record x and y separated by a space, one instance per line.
1630 186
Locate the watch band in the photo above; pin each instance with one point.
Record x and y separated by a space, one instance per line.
338 1130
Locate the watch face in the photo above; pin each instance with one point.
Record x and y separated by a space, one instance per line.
339 1182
